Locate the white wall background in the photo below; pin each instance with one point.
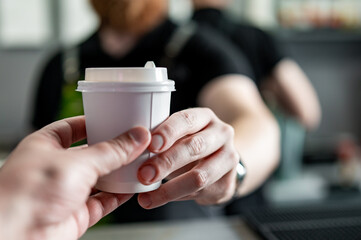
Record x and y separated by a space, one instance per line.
28 32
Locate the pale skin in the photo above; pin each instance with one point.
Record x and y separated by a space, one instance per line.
198 149
256 130
291 89
45 187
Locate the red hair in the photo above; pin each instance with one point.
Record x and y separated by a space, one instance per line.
132 16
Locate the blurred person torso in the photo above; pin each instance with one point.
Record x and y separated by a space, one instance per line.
145 34
260 49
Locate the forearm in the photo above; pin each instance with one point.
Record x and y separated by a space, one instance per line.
236 100
257 141
296 93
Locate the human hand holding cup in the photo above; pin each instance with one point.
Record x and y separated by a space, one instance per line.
117 99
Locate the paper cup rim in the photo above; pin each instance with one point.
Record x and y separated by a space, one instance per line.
89 86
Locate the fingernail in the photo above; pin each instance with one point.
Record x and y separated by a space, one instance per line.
138 134
157 142
144 200
147 173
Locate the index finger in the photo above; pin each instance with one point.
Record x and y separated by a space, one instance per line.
178 125
65 132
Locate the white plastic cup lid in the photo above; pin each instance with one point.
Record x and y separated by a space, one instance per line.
88 86
149 73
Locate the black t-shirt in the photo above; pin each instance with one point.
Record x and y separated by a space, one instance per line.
200 60
259 47
205 56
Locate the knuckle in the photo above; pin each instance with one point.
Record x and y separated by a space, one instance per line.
109 150
168 130
200 178
223 196
188 117
164 195
228 129
194 195
167 159
196 145
228 195
209 112
203 202
231 188
233 156
119 149
218 201
103 147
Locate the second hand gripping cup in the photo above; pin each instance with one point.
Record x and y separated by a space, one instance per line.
117 99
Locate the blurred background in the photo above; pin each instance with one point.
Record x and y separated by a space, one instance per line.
323 36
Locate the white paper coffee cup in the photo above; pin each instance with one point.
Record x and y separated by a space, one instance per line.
117 99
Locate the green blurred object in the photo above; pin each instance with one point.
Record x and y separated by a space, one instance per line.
71 104
108 219
292 145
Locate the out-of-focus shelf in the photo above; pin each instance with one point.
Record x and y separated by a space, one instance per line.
317 35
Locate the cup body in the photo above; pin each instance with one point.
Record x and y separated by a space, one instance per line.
113 108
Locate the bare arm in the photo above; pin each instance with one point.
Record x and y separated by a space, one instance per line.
235 100
197 149
294 93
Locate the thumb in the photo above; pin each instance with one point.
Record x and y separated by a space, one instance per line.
107 156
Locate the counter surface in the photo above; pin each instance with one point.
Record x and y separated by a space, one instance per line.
210 229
